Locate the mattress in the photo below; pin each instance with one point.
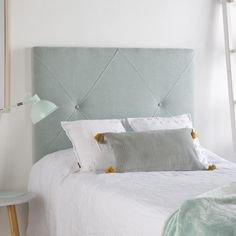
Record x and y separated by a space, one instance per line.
70 203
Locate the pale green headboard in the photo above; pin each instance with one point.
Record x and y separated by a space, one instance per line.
98 83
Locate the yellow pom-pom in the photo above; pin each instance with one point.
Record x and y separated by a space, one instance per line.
194 134
211 167
110 169
99 138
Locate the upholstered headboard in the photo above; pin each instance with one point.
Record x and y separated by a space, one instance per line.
98 83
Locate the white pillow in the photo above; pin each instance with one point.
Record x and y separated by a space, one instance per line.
159 123
163 123
90 155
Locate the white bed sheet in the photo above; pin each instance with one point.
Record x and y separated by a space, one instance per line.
128 204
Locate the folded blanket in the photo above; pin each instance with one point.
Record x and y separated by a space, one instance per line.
210 214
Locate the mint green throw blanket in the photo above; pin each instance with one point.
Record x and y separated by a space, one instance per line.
210 214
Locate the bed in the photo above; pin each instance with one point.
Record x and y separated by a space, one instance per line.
132 204
100 83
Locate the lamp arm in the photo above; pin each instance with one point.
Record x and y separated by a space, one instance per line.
39 108
13 106
27 100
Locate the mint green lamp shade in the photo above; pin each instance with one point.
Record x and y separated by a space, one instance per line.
41 109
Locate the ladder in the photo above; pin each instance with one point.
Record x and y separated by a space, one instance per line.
226 4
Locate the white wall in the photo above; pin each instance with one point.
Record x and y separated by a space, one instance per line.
125 23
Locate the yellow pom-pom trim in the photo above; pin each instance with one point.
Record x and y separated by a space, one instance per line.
194 134
211 167
110 169
99 138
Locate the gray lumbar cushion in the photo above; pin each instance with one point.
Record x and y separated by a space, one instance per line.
159 150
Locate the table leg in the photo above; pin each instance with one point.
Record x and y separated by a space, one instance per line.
11 210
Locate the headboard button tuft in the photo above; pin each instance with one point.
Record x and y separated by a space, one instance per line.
77 107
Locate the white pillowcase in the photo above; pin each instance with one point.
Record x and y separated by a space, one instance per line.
162 123
91 155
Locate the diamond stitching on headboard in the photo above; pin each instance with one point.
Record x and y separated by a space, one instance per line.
93 86
54 77
108 65
106 76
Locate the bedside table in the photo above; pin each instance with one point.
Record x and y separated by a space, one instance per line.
10 200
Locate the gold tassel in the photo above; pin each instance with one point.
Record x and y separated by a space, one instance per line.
99 138
194 134
211 167
110 169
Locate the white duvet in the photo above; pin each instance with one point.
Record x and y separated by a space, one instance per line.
70 203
